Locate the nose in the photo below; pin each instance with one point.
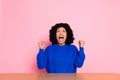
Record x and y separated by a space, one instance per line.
60 32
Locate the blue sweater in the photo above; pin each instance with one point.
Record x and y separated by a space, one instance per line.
60 59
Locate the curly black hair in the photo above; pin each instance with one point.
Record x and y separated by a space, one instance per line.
52 33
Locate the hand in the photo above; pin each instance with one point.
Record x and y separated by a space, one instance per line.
81 43
41 45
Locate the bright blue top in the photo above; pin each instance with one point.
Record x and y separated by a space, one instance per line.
60 59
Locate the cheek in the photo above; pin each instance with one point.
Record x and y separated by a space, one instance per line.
65 35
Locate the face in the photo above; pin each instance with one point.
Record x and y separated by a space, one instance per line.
61 35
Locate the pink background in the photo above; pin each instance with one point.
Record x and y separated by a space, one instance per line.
23 23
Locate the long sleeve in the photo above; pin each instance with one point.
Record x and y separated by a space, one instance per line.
42 58
80 57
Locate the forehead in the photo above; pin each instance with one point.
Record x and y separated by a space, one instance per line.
61 28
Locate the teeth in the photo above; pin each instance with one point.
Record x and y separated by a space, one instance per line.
60 37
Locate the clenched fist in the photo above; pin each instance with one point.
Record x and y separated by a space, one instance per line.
41 45
81 43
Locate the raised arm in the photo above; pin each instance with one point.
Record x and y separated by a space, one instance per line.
80 57
42 56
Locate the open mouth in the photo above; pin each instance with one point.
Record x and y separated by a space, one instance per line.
61 38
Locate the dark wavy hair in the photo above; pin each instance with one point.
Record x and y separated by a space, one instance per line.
52 33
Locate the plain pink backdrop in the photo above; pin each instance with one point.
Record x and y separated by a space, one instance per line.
23 23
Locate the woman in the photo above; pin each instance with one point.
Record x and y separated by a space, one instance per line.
61 56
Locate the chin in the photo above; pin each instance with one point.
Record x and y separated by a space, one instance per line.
61 43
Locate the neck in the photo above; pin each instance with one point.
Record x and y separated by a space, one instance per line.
61 44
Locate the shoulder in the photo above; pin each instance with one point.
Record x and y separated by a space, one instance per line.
72 46
49 47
